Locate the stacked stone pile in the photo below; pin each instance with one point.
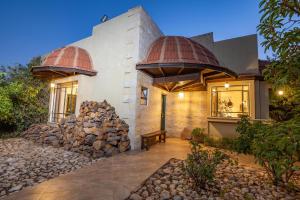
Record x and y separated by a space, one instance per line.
97 131
45 134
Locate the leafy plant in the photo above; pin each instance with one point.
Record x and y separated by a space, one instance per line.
24 98
200 165
223 143
198 135
276 148
247 133
280 27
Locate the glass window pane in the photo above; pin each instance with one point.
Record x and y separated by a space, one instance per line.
144 96
229 102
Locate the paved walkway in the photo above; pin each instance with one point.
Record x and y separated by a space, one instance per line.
112 178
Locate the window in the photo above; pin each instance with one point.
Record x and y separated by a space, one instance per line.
230 102
144 96
64 97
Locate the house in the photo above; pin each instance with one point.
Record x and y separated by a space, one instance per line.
156 81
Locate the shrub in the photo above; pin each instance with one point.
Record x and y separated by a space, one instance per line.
246 131
223 143
200 165
276 148
24 98
198 135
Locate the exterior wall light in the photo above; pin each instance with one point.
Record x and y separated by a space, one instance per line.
181 95
226 85
52 85
280 92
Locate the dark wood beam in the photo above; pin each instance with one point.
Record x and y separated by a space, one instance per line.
180 70
186 85
177 78
162 71
211 74
187 65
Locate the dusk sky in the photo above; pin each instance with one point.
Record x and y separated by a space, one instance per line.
34 27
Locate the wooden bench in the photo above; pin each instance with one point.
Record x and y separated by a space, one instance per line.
152 138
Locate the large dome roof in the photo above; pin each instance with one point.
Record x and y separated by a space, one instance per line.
178 49
66 61
179 63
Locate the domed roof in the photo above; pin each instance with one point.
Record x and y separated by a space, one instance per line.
67 60
178 49
178 63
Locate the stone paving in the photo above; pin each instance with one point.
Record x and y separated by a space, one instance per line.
23 164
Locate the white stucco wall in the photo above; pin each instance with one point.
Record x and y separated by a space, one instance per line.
147 116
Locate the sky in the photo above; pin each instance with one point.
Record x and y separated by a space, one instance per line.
35 27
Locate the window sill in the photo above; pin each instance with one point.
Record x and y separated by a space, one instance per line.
232 120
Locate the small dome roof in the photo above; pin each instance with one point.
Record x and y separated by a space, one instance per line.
70 56
178 49
66 61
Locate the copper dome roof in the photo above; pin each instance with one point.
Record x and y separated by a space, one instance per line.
179 63
178 49
66 61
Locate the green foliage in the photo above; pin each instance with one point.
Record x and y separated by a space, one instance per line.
247 133
222 143
282 108
24 98
275 146
200 165
279 25
198 135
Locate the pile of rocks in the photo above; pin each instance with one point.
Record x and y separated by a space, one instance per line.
231 182
49 134
24 163
97 131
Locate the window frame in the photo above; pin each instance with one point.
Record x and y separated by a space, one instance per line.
240 90
142 97
55 114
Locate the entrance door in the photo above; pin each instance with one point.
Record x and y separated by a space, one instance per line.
163 112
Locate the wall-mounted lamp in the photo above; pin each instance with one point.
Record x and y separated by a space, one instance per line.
280 92
181 95
226 85
52 85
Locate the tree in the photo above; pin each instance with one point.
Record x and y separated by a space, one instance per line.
24 98
279 25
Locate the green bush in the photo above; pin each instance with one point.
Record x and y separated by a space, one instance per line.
24 98
198 135
223 143
275 146
200 165
247 132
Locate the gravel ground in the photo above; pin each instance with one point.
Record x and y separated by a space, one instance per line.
231 182
23 164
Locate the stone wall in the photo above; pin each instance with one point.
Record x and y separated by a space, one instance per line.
97 131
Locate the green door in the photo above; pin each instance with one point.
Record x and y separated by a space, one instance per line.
163 112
